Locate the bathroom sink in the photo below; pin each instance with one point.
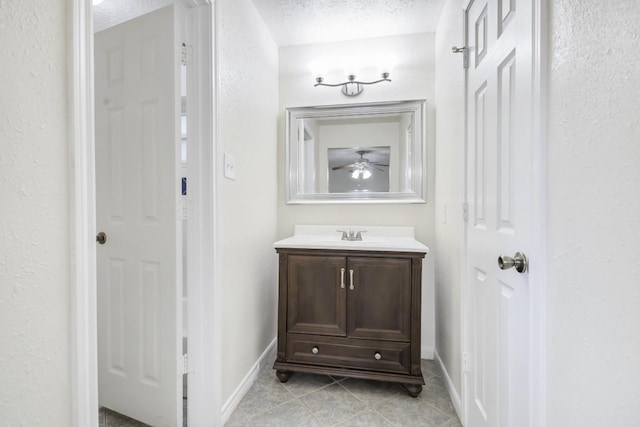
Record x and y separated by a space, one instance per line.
374 238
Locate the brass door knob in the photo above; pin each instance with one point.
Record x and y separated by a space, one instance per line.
101 238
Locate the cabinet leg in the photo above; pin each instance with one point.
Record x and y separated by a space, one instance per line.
283 376
413 389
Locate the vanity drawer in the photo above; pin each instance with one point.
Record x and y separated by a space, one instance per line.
384 356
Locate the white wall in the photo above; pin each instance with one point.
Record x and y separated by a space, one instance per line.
413 78
593 308
34 215
248 117
449 189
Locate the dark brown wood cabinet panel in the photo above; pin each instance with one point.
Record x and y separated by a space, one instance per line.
315 298
384 356
369 328
379 305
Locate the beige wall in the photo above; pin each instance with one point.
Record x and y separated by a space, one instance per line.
593 291
248 107
449 189
413 78
34 215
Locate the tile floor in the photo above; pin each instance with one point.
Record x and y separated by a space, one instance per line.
318 400
109 418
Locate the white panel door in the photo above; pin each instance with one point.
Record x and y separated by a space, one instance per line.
499 37
139 266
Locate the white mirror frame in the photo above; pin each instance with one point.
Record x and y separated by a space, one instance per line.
295 170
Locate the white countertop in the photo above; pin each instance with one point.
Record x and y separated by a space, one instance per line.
376 238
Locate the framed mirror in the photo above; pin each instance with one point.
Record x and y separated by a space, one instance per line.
356 153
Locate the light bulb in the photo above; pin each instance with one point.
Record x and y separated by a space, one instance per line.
355 174
366 174
318 69
352 66
386 63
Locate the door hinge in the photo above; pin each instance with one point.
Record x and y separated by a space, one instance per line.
185 211
465 54
465 362
183 367
465 211
185 54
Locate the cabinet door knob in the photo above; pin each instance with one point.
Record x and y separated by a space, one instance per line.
342 278
377 356
351 280
315 350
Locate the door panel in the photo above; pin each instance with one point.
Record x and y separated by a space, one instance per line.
316 297
499 170
139 266
379 305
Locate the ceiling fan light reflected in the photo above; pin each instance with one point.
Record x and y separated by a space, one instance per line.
363 173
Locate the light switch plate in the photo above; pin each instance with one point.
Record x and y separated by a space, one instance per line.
229 166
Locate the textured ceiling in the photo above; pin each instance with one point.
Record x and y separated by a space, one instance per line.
114 12
294 22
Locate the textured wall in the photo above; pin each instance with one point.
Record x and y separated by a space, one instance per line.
594 214
449 189
413 78
34 257
248 117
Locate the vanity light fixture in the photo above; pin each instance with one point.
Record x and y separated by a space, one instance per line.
352 87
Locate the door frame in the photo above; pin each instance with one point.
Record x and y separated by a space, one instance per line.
537 258
203 290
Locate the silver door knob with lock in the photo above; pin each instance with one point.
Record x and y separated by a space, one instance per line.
101 238
519 261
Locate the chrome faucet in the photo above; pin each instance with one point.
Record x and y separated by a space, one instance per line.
351 235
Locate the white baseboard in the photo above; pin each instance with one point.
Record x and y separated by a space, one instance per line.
426 352
453 393
234 400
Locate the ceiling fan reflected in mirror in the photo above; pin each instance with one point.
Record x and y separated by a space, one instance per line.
362 168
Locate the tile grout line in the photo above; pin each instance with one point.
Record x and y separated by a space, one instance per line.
309 411
320 388
353 416
293 397
306 407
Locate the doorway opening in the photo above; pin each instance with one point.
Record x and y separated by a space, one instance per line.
200 311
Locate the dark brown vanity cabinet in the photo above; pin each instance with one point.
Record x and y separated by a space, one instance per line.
350 313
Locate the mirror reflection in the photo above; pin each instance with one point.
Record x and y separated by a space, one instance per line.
369 173
366 153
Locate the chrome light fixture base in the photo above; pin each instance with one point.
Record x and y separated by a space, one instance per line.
352 87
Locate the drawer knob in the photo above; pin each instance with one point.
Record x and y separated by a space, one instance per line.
315 350
377 356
